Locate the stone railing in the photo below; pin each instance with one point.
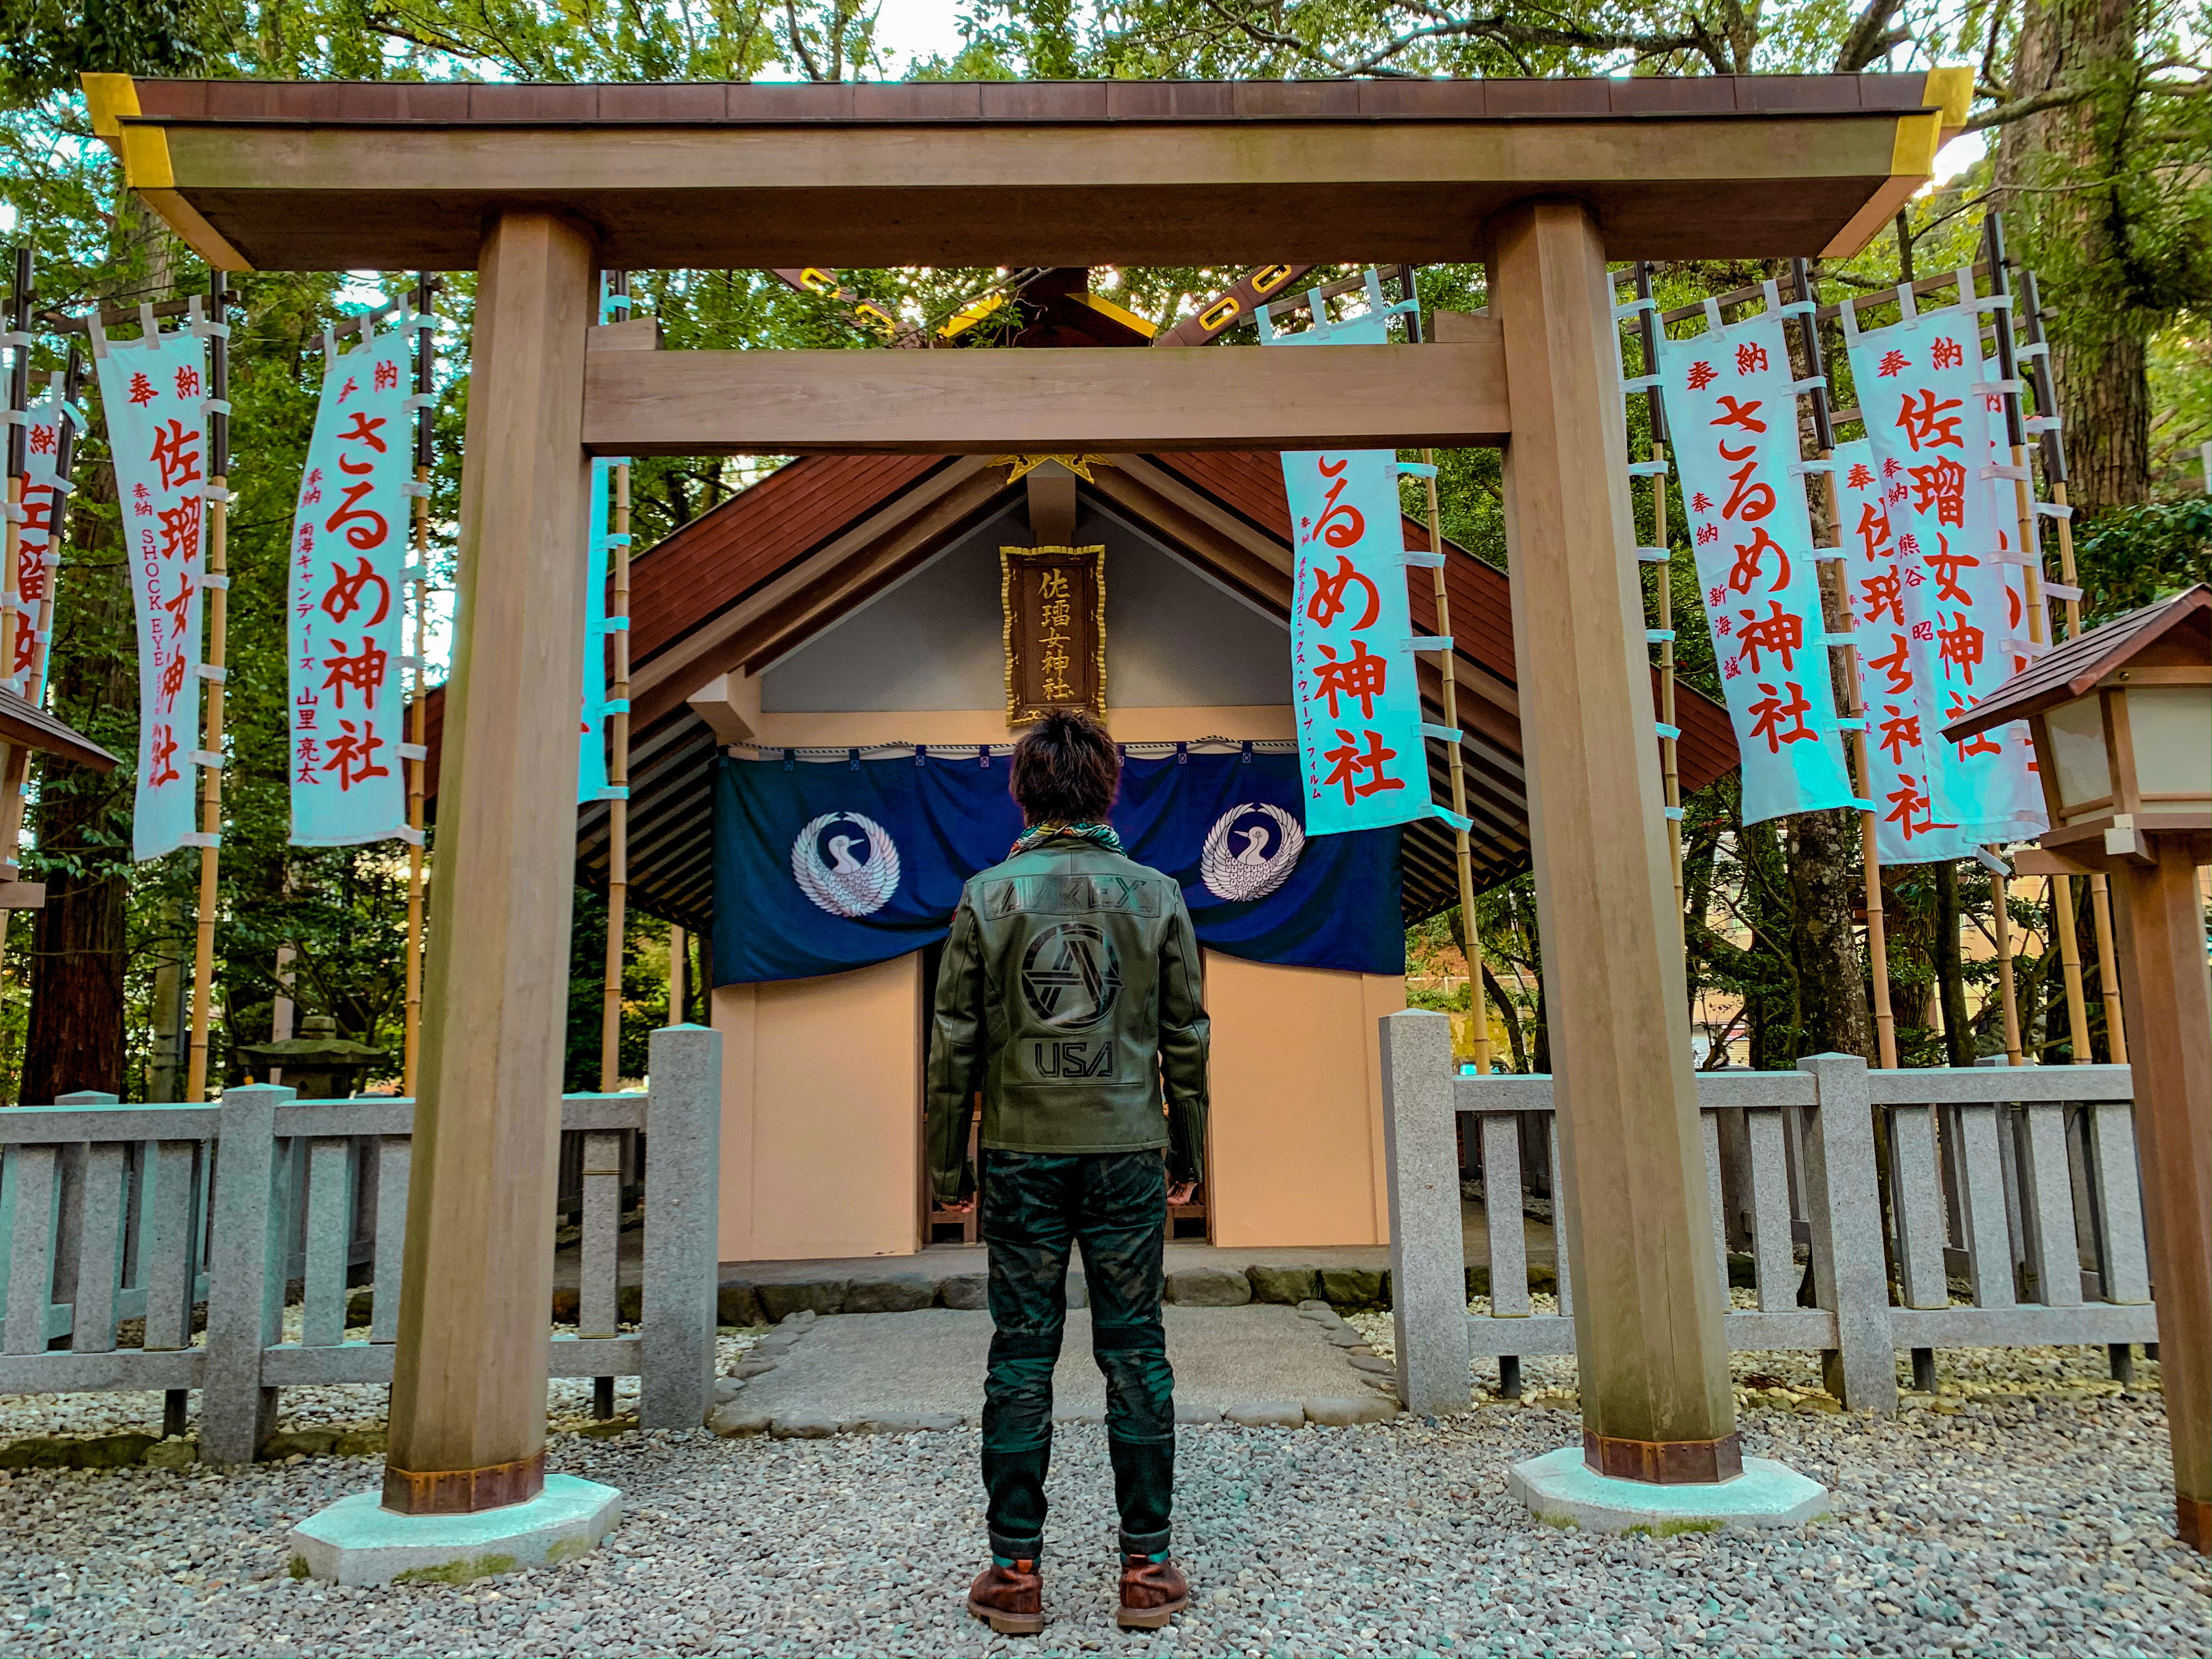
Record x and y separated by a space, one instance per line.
118 1222
2030 1195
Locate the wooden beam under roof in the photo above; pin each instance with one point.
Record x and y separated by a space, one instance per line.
1059 400
333 176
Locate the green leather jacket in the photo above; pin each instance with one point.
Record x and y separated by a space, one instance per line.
1071 998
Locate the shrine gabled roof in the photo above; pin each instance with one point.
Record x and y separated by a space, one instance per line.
743 584
308 175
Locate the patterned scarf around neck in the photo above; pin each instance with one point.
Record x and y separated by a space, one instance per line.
1102 833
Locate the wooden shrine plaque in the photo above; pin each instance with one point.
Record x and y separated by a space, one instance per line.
1055 600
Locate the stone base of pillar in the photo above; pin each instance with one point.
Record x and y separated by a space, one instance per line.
356 1540
1561 1490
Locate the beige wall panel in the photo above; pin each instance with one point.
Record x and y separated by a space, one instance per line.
821 1115
1297 1153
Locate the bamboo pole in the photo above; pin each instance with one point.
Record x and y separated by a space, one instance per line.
1855 745
1462 843
418 714
1670 770
679 968
2054 474
619 761
2031 604
16 767
218 604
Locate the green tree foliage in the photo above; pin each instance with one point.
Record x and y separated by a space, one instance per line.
338 912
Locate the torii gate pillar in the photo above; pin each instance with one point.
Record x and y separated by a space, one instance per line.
468 1396
1657 1402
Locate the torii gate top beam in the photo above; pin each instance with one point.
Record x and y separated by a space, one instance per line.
312 175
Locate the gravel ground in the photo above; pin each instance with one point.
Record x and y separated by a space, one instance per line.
2008 1527
342 1406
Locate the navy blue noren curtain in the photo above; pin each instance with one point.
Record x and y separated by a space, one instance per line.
821 866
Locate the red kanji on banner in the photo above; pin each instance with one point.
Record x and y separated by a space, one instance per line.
1749 562
1960 645
188 381
363 672
1873 529
1750 360
173 452
1779 633
1944 353
1909 808
1767 717
343 596
1897 665
42 440
1343 524
180 607
172 682
180 529
1749 500
1707 534
1860 477
1943 485
387 376
1882 596
1899 732
142 391
353 756
162 757
359 535
1349 762
1361 675
1701 376
1744 414
1928 425
1892 362
1947 565
1328 602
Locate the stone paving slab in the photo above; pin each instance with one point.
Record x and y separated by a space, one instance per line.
854 1365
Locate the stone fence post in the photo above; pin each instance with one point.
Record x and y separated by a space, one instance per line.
684 1135
1844 1207
245 1276
1428 1250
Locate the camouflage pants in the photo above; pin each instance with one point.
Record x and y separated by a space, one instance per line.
1035 1207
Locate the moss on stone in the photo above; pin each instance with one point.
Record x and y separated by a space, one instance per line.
459 1571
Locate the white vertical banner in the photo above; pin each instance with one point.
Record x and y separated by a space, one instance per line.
38 552
348 541
1900 756
591 723
153 392
1921 398
1733 413
1363 744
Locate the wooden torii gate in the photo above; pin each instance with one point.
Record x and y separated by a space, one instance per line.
537 187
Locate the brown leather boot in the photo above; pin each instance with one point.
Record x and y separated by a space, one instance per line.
1152 1592
1010 1600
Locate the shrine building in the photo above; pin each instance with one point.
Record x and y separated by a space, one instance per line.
847 610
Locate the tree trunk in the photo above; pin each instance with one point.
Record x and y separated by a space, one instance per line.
1823 883
75 1039
2082 239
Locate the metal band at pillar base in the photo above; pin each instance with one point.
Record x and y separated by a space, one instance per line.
2192 1520
464 1492
1664 1462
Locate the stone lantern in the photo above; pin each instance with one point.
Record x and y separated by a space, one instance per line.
2123 722
318 1064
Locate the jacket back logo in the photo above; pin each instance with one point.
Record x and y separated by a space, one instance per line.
1067 1061
1071 976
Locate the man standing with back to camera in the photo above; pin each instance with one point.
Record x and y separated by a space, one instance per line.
1070 997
